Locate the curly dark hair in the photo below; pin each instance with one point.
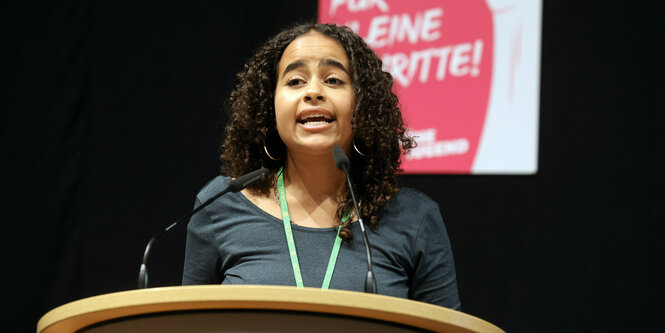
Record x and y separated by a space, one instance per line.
377 121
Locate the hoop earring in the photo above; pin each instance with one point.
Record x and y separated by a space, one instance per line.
267 153
356 148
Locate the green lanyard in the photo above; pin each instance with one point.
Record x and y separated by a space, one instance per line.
292 245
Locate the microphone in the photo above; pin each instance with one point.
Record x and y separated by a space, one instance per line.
235 186
342 162
243 181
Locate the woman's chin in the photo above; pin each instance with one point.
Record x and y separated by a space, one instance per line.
314 146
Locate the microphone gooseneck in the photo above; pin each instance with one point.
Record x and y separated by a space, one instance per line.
235 185
342 162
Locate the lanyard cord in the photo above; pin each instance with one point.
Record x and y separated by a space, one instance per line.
292 245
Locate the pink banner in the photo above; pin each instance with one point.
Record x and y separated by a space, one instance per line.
440 55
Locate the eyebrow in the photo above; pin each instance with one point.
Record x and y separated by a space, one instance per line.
323 63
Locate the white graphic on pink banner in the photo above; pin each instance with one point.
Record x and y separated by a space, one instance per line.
440 55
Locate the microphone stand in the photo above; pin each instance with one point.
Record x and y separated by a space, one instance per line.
235 185
342 162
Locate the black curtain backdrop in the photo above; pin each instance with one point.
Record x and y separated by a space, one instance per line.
110 115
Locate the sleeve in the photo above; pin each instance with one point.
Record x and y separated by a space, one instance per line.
434 280
202 262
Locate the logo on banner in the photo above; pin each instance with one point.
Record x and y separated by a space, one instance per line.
440 56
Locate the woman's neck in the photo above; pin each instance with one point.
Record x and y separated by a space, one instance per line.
316 177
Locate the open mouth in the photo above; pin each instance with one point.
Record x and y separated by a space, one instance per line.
315 119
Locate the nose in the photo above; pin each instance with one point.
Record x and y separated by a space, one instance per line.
314 92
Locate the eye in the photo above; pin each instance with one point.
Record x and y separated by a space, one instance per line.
296 81
334 81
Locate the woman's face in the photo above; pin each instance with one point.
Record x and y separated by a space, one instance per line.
314 97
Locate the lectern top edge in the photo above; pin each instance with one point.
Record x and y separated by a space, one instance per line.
85 312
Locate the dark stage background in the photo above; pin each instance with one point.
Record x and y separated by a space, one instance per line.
109 129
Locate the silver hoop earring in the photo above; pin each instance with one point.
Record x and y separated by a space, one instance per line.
356 148
267 153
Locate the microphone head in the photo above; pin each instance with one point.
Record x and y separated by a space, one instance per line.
341 161
243 181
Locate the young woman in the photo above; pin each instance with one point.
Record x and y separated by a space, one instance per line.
307 89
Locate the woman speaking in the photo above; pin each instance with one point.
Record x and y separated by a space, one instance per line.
309 88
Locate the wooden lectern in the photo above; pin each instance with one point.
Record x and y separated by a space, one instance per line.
214 308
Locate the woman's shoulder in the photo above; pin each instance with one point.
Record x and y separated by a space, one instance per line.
409 204
213 187
414 199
